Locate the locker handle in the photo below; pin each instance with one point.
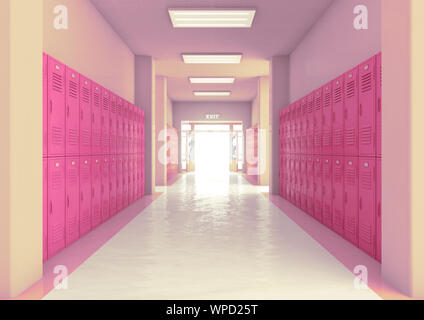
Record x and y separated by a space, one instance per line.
360 109
82 114
345 113
67 111
379 210
334 116
51 106
379 104
82 196
345 197
334 194
92 117
360 203
67 201
92 192
51 208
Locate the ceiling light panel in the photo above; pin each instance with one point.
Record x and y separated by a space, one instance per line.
211 80
212 93
211 18
212 58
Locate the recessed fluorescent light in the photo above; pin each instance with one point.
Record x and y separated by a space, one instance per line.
211 18
211 93
212 58
211 80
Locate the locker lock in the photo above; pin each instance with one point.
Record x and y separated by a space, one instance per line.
86 82
350 163
338 82
366 164
85 161
337 162
57 164
97 161
57 67
350 75
73 163
326 161
73 76
366 67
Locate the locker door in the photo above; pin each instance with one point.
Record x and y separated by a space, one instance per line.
72 112
304 184
96 191
338 195
378 212
56 135
125 181
142 162
105 121
304 126
45 103
318 121
130 128
125 127
112 124
135 176
367 108
327 191
85 116
351 199
130 179
310 177
72 199
338 116
45 208
293 179
351 113
367 204
298 182
112 183
289 129
327 121
379 105
56 206
281 180
119 129
310 125
119 179
85 195
135 137
140 182
96 117
288 177
105 188
298 127
318 188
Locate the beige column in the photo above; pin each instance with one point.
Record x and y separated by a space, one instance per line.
264 132
161 133
21 225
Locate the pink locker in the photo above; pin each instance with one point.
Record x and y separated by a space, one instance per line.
297 181
327 120
45 103
310 186
125 140
56 123
85 116
119 184
125 181
351 113
119 128
85 195
367 205
136 129
289 129
293 178
135 176
112 183
142 161
105 188
281 133
378 212
327 191
288 176
351 199
310 125
304 126
130 178
112 124
139 174
298 133
72 200
338 116
318 121
45 208
318 188
105 121
96 120
303 183
367 108
56 206
72 112
338 194
282 177
131 109
96 191
379 105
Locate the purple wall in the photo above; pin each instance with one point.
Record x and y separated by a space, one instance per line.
333 46
196 111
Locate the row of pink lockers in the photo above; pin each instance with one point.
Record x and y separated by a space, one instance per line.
342 117
79 193
80 117
342 192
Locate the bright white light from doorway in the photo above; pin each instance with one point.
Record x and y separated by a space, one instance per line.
212 58
211 80
211 18
212 93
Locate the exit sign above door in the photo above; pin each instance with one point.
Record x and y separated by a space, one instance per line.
212 116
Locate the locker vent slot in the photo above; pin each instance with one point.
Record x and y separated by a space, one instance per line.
326 138
73 89
57 234
338 219
327 212
366 135
318 103
366 180
310 106
338 174
113 106
365 233
85 95
366 82
57 135
72 177
57 82
57 180
338 95
85 174
338 137
72 137
350 176
96 100
106 103
350 89
350 225
96 138
317 139
350 137
327 100
85 137
72 228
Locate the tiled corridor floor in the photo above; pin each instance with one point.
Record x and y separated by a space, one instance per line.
212 238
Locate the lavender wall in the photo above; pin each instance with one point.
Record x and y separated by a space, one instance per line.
333 46
196 111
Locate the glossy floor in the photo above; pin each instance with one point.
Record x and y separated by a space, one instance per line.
212 237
